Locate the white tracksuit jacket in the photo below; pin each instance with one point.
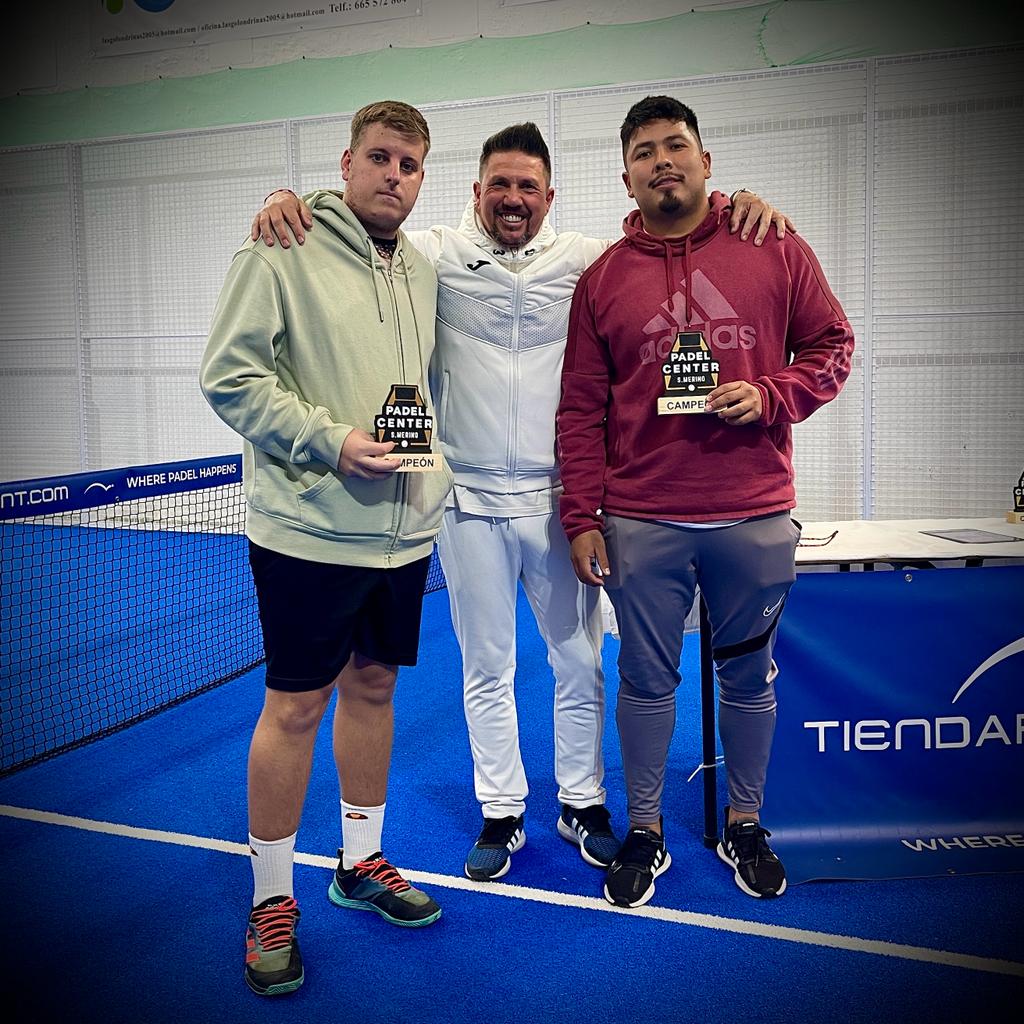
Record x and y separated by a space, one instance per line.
502 319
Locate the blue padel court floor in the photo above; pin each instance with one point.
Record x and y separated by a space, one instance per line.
127 890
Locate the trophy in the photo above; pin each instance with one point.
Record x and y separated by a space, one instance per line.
404 419
1016 514
691 374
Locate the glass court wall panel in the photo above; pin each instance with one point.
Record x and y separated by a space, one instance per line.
39 406
948 276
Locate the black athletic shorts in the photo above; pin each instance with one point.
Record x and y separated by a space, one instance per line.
315 615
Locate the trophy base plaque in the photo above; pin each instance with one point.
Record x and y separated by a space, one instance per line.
422 462
1015 517
672 406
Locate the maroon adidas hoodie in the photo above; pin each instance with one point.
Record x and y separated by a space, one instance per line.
768 316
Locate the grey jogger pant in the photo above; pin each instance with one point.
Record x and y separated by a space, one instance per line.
744 572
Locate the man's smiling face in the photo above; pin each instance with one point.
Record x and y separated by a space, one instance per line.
512 197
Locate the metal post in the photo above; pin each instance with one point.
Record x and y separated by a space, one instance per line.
707 729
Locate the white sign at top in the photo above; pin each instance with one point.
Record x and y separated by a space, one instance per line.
133 26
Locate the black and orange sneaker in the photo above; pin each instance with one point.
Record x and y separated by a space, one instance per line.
373 884
273 963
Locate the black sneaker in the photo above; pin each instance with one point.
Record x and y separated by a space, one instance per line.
744 847
491 855
590 829
630 879
273 963
374 884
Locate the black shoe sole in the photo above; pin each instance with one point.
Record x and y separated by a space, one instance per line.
281 988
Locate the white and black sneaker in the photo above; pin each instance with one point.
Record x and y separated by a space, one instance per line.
744 847
590 829
630 879
491 855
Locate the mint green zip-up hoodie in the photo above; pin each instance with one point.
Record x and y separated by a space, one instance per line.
304 346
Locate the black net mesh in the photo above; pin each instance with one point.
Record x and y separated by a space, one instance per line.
109 615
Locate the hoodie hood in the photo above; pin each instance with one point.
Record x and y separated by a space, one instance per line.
471 227
329 208
674 250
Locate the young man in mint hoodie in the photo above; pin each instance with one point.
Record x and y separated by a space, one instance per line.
658 500
303 353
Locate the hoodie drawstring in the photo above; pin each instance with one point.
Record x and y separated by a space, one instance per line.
669 287
372 253
670 277
668 249
399 256
415 322
686 280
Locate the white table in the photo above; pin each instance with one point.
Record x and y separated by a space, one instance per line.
867 541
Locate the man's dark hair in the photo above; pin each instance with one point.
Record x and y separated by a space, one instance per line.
517 138
656 108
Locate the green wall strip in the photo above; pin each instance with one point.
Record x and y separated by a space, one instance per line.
769 35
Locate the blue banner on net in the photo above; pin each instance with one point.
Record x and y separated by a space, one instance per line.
899 746
54 495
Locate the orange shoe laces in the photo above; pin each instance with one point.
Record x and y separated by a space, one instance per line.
379 870
274 927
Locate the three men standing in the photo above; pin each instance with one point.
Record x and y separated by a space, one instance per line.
505 284
339 541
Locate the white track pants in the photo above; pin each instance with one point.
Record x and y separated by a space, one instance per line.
483 560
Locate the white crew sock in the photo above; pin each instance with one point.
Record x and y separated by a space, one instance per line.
271 867
360 833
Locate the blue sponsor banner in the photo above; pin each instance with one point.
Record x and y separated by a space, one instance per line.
899 747
105 487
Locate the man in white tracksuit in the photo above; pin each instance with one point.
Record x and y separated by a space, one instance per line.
505 283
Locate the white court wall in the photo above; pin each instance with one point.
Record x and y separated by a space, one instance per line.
897 169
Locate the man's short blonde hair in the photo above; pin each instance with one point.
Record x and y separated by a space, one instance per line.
393 114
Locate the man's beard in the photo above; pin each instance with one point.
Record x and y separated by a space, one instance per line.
496 232
670 203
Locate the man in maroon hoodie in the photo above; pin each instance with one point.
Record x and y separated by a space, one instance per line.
689 357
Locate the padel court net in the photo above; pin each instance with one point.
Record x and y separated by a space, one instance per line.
122 593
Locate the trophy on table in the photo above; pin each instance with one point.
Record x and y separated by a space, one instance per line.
404 419
691 374
1016 514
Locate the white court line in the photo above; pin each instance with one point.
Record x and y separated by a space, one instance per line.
521 892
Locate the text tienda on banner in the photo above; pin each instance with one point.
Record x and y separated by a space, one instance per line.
899 743
133 26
